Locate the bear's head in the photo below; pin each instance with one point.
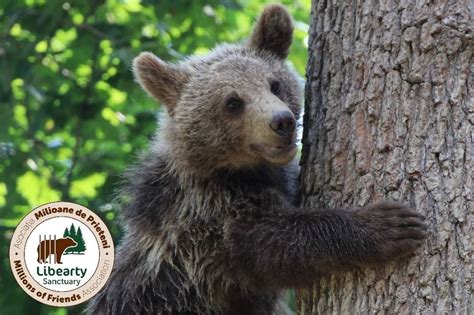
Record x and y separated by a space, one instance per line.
234 108
69 242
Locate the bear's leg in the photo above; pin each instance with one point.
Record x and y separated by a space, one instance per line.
57 256
43 254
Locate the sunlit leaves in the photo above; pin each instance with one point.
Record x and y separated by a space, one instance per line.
64 88
3 193
117 97
87 187
31 3
111 116
106 46
149 30
17 86
49 125
83 74
16 30
50 63
19 114
41 46
76 16
62 38
36 189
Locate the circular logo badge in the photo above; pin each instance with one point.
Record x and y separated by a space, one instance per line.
61 254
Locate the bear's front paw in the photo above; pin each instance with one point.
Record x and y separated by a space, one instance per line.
394 230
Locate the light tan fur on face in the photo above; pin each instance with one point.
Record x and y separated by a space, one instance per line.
261 138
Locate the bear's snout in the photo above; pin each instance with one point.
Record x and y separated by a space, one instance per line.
283 123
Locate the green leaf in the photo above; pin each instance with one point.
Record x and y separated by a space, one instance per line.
87 187
36 189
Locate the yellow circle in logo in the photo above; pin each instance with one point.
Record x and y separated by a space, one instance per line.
61 254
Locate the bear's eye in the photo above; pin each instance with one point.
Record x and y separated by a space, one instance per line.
275 88
234 104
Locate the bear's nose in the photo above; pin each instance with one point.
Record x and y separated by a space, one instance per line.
283 123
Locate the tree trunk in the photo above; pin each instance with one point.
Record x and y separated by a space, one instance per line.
389 116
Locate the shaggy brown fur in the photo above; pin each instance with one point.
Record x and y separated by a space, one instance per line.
210 215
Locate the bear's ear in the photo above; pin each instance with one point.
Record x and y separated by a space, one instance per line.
161 80
273 31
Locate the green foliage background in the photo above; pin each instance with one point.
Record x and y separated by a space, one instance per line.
71 117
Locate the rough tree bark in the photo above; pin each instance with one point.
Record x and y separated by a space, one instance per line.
389 116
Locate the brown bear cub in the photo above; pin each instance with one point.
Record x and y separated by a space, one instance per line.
210 215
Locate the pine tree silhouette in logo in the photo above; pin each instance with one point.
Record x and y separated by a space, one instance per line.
76 235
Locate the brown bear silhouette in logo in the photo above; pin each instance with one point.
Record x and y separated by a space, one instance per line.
56 247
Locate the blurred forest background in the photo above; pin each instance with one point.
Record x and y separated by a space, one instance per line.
71 116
